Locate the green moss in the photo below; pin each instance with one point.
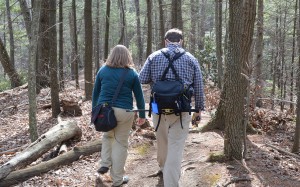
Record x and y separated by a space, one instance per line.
212 178
217 157
143 149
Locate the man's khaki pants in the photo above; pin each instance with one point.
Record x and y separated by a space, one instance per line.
170 145
115 145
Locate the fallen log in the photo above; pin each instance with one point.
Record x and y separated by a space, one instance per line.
283 151
63 131
16 177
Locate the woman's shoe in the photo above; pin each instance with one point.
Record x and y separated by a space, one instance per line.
125 181
103 170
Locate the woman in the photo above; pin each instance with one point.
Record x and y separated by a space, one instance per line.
115 142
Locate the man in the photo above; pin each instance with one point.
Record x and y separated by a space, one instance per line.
171 135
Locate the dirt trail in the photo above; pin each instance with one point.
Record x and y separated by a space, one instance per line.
141 162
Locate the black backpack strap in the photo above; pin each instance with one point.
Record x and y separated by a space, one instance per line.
158 122
119 86
181 120
177 55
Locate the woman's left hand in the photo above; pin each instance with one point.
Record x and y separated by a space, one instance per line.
140 121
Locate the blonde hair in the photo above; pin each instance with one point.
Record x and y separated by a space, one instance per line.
119 57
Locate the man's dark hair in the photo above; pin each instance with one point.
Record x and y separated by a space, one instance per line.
173 35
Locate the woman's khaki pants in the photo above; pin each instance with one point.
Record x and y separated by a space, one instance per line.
115 145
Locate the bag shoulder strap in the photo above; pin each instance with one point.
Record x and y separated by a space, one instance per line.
119 85
177 55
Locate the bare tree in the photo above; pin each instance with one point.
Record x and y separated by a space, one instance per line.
32 70
7 66
176 14
11 37
26 16
61 47
88 60
73 32
293 59
201 24
107 15
230 116
149 29
296 143
43 63
97 39
122 22
55 105
138 31
161 24
259 53
219 53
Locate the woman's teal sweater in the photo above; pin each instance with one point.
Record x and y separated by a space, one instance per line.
106 83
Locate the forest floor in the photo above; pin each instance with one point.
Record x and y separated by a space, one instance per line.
263 166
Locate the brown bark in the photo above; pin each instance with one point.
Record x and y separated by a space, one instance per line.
122 22
259 53
11 38
26 16
296 143
176 15
8 67
73 34
161 24
64 159
61 47
88 53
292 108
32 70
149 29
53 60
107 16
219 53
138 31
97 40
43 62
63 131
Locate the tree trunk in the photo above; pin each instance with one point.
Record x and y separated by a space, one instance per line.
107 15
74 58
233 97
161 24
32 69
7 66
61 47
88 64
43 63
122 22
282 55
63 131
138 32
293 59
97 39
26 16
276 61
176 15
218 18
296 143
230 112
149 27
259 54
201 28
192 35
55 105
11 38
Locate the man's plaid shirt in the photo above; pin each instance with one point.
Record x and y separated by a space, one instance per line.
187 68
